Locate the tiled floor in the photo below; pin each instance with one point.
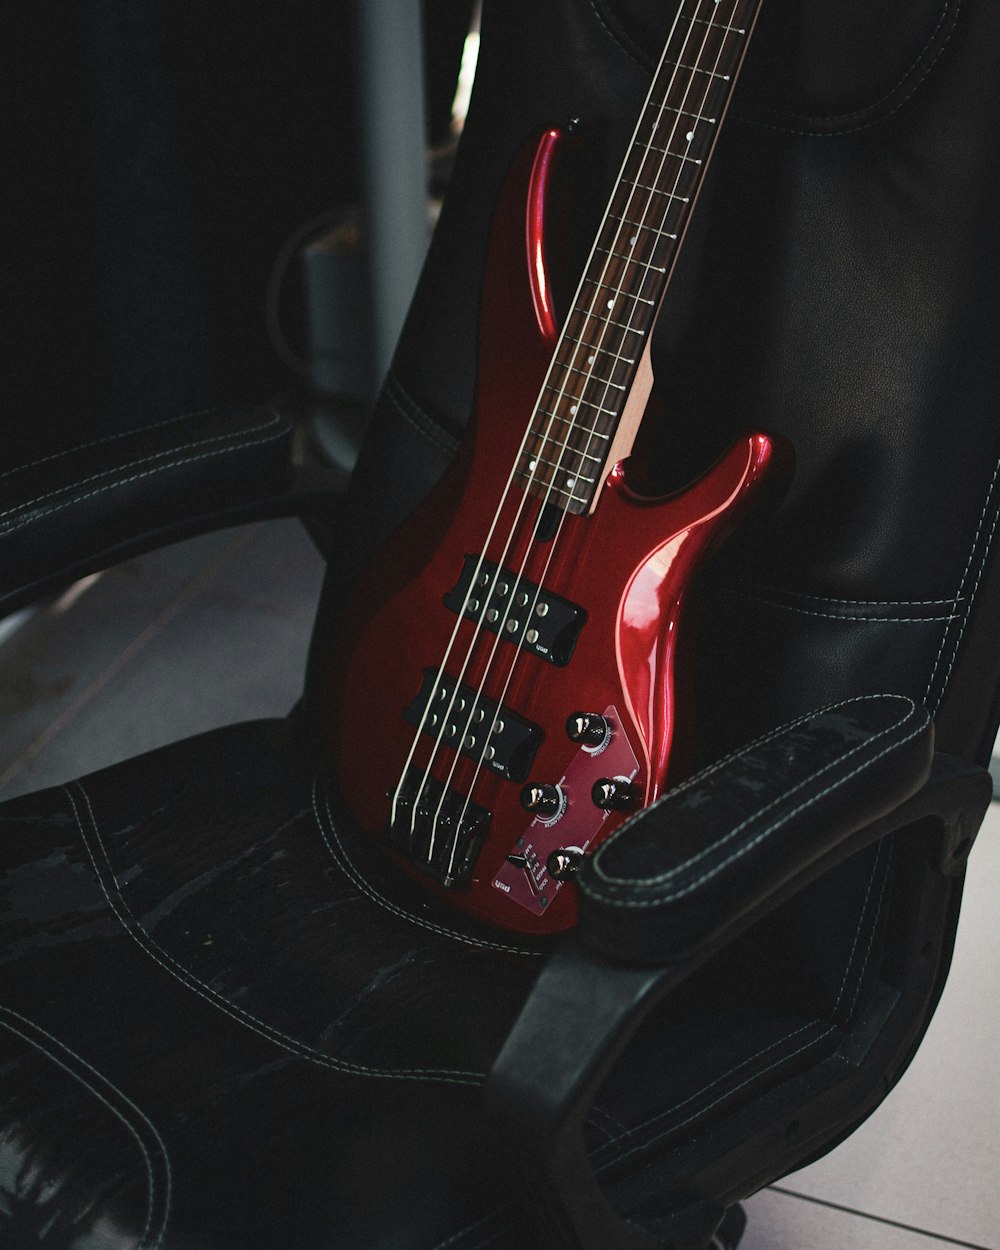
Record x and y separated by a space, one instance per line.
215 630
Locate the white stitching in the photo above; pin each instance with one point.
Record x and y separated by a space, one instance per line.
971 598
781 798
159 455
617 1158
769 736
155 952
348 868
115 1111
874 105
430 430
736 855
108 438
138 477
840 616
774 592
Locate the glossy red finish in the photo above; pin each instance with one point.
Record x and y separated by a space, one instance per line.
629 565
535 225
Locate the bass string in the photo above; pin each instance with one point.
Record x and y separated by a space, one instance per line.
667 150
460 737
436 685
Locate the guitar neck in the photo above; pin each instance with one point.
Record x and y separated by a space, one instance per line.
599 377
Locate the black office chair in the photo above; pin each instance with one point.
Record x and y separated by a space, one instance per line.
229 1021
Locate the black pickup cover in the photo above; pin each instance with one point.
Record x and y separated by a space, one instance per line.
542 623
465 721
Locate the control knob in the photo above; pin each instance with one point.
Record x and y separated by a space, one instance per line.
588 728
541 799
615 794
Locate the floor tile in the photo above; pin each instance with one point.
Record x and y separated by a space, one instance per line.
204 633
777 1221
930 1155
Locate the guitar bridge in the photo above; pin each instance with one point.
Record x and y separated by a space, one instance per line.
436 828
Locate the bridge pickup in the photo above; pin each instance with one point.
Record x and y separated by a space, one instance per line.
540 622
478 727
446 846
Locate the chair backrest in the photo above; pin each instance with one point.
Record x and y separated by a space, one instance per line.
839 285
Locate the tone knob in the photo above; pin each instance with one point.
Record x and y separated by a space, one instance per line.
541 799
589 728
615 794
564 863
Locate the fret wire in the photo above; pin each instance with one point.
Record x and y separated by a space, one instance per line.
639 186
700 21
635 268
594 348
584 455
697 69
591 434
611 412
641 225
677 156
555 464
588 373
627 294
646 264
550 486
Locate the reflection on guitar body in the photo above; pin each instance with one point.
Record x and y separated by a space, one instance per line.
506 693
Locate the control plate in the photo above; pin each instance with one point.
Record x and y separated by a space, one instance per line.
577 825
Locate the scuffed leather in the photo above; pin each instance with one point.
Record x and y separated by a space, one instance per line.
226 1020
715 848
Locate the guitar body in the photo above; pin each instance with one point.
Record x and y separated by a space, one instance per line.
624 571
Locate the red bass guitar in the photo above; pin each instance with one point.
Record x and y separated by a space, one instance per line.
507 690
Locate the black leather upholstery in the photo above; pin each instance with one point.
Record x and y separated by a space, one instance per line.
78 508
226 1022
839 285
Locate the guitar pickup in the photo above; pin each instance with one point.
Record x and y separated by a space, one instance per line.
475 725
540 622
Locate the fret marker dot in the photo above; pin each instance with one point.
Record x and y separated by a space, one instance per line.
532 464
574 409
689 136
570 482
590 360
634 240
611 303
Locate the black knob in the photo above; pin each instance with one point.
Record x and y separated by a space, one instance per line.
615 794
564 863
541 799
590 728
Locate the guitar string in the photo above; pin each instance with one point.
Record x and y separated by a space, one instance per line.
561 394
669 149
524 498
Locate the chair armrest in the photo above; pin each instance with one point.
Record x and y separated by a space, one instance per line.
731 842
87 507
674 885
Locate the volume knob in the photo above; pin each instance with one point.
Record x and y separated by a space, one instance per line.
589 728
541 799
615 794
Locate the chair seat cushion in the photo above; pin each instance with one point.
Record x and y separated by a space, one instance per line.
229 1022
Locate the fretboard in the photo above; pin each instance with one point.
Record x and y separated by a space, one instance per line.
566 453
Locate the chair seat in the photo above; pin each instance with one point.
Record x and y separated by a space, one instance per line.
270 1038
